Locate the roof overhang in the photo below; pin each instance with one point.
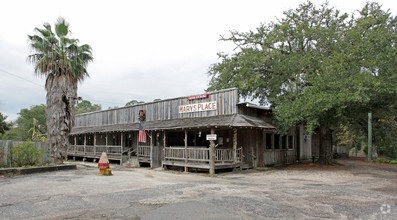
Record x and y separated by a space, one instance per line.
234 120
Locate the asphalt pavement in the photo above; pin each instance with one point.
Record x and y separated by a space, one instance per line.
354 190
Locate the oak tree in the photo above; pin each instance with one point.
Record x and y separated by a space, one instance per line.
315 66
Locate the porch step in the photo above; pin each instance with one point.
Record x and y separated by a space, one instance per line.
131 162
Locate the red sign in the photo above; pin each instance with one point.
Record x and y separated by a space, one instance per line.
198 97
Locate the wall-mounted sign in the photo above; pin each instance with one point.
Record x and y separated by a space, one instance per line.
211 137
204 96
142 115
198 107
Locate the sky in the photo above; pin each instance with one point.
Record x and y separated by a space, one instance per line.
143 50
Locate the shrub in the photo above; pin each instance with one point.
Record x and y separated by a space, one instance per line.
393 161
26 154
378 160
2 162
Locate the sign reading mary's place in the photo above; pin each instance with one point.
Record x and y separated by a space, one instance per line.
198 107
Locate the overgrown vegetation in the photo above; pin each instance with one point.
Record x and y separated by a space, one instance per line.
25 154
4 126
379 160
318 67
21 129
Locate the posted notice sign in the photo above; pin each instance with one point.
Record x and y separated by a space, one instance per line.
211 137
198 107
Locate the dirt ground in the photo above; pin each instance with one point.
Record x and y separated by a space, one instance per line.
354 189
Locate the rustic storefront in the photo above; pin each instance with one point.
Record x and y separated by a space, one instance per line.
209 131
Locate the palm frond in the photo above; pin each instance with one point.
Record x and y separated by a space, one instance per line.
58 53
61 27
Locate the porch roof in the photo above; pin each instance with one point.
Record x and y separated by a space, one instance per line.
234 120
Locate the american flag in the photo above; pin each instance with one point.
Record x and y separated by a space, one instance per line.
141 134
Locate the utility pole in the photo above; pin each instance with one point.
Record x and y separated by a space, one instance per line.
369 136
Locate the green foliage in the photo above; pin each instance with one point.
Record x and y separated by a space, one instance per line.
316 65
4 126
13 134
22 130
346 137
25 154
379 160
86 106
156 100
36 134
56 53
134 102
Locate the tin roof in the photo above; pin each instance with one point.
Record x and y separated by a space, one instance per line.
233 120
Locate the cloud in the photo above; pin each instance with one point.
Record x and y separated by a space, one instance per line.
142 50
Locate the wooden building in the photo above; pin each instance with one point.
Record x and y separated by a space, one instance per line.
209 131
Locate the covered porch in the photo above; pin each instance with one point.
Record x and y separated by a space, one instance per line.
177 143
193 157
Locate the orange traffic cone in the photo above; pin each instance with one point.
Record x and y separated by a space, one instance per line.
103 165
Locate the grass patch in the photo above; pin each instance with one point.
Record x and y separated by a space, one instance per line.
379 160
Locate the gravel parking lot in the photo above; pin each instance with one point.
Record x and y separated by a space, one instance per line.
353 190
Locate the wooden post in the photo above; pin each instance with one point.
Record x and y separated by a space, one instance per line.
186 157
151 138
94 145
212 154
151 156
75 144
137 145
106 139
235 145
85 142
121 148
164 145
121 139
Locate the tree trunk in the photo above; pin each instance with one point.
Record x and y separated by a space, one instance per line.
325 148
61 98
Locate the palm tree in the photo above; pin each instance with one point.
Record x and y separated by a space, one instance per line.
63 62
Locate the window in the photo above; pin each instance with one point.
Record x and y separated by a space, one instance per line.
276 141
284 142
290 142
268 141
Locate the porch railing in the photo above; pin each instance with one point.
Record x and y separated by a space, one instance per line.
113 152
201 155
143 151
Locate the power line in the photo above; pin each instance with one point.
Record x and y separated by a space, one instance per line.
20 77
104 102
17 76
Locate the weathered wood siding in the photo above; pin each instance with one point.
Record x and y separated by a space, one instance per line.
226 103
315 145
242 109
279 156
249 140
305 144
